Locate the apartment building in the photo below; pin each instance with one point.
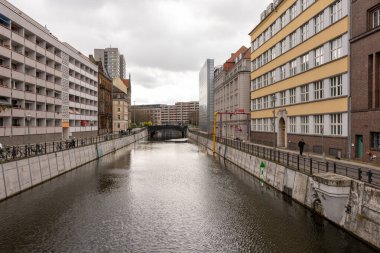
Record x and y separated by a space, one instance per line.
105 112
120 105
42 81
231 89
206 96
299 77
113 61
365 78
146 113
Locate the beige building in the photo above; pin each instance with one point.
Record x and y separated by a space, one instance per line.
231 89
120 105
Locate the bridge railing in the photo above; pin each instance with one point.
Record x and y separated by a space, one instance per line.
305 164
12 153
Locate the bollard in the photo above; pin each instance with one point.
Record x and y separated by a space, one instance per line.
287 159
334 167
360 174
369 173
327 166
298 162
311 166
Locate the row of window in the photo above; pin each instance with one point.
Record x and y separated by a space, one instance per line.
314 124
301 64
300 35
281 22
302 94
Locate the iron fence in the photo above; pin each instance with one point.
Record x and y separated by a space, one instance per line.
12 153
305 164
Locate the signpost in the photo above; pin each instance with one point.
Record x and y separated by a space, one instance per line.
262 167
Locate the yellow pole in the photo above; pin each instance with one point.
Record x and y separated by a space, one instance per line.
214 135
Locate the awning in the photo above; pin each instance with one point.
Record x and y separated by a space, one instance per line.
4 102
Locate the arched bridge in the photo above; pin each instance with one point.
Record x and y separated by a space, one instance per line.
165 132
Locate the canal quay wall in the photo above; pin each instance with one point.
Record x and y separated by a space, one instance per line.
351 204
18 176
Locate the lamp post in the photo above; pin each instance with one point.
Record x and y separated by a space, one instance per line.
134 112
274 122
28 118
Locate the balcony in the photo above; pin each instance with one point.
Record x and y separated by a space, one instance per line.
50 85
29 44
41 98
30 61
5 31
50 55
30 79
57 101
18 57
41 114
50 115
18 112
50 70
5 51
32 113
58 115
40 50
18 75
19 130
41 130
5 131
5 91
58 73
41 82
30 96
41 66
17 38
6 113
49 100
18 94
58 59
4 71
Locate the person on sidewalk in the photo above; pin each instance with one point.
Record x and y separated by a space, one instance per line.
301 145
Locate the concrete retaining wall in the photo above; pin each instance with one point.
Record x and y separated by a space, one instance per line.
21 175
350 204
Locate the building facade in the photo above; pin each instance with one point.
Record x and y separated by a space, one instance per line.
146 113
113 61
365 78
206 96
231 89
105 113
120 105
299 78
42 79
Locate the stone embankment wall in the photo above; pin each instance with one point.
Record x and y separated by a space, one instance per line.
350 204
21 175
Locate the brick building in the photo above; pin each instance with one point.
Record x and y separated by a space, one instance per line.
365 78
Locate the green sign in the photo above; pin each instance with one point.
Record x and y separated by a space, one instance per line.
262 165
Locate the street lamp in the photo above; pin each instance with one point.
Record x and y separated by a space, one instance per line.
134 112
28 118
274 122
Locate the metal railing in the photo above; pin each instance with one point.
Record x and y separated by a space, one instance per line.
303 164
12 153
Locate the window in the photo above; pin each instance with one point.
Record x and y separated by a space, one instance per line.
293 68
265 104
283 20
318 22
318 124
318 54
305 62
118 109
283 46
305 124
336 48
272 77
292 40
253 84
336 124
304 4
292 96
336 86
376 18
259 104
259 82
273 53
283 98
254 105
305 32
283 72
293 11
292 124
336 11
259 125
265 125
265 57
375 143
305 93
318 90
265 79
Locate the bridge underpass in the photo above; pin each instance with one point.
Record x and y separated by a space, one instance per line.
166 132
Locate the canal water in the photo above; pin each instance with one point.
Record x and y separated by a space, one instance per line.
163 197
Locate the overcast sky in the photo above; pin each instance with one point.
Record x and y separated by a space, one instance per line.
165 42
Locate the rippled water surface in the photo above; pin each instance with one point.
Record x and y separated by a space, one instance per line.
162 197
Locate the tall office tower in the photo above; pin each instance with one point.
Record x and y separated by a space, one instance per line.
206 96
112 60
299 77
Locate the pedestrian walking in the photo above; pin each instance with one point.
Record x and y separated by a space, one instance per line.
301 145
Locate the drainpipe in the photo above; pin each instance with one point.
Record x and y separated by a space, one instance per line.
349 86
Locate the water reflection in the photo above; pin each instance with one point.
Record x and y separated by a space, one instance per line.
163 197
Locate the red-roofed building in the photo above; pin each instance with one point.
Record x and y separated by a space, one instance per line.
231 94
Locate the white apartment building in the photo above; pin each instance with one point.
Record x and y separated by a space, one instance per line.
48 90
231 94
